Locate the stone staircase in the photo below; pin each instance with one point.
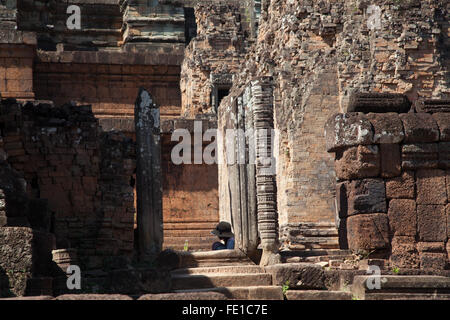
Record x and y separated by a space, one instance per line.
232 274
228 272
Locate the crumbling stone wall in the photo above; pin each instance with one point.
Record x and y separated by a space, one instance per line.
393 183
84 173
407 54
212 57
25 239
318 53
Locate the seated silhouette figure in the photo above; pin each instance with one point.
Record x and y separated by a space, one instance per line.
226 237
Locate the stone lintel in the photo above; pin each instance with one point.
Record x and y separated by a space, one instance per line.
378 103
433 106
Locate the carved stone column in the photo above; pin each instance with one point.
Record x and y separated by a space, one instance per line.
148 175
262 104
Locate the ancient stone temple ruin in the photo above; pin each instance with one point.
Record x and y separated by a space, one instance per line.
328 125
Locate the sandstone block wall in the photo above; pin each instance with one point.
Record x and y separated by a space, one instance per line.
25 239
393 183
109 81
190 193
16 64
84 173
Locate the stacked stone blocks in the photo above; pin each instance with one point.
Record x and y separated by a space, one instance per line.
84 174
393 184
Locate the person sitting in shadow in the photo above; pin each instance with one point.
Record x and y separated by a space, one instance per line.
226 237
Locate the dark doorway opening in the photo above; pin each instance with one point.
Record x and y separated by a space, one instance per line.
190 25
222 93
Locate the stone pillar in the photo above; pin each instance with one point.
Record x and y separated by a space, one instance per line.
148 175
262 103
245 222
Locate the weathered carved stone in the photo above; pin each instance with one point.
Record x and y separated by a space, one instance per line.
419 128
447 210
448 251
431 247
379 103
447 181
262 102
404 253
148 175
391 163
431 223
299 275
388 128
401 187
431 187
433 260
24 254
402 217
246 222
432 106
443 122
347 130
358 162
420 156
368 231
366 196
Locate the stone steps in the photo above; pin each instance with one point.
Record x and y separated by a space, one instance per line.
402 288
213 258
245 293
248 269
203 281
317 295
229 272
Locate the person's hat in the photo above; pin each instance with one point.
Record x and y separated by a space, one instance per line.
223 230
